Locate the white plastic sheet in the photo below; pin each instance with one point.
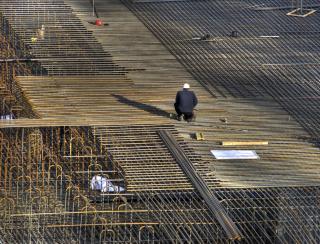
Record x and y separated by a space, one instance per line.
235 154
104 185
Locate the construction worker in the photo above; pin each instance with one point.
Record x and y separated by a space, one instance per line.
186 100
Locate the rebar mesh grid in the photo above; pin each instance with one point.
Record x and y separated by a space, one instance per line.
147 162
65 47
274 215
14 104
45 197
271 55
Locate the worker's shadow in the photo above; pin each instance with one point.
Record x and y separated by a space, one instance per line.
143 106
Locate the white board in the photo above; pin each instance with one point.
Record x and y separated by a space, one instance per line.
235 154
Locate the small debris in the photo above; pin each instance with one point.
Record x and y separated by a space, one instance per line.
224 120
199 136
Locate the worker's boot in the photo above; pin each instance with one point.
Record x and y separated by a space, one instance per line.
193 119
189 117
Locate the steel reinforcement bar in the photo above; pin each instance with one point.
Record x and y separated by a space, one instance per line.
212 202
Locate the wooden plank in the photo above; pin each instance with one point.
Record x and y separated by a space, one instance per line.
244 143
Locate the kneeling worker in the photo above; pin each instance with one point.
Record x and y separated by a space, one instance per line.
185 102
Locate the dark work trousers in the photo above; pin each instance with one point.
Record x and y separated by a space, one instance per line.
186 115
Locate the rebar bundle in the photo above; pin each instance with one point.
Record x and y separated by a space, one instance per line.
211 201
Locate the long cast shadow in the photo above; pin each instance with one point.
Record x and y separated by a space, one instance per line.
149 108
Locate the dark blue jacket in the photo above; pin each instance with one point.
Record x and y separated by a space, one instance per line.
186 100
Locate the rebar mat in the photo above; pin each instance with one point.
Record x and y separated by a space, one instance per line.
45 197
237 49
147 163
66 47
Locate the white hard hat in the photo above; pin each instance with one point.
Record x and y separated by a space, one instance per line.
186 86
